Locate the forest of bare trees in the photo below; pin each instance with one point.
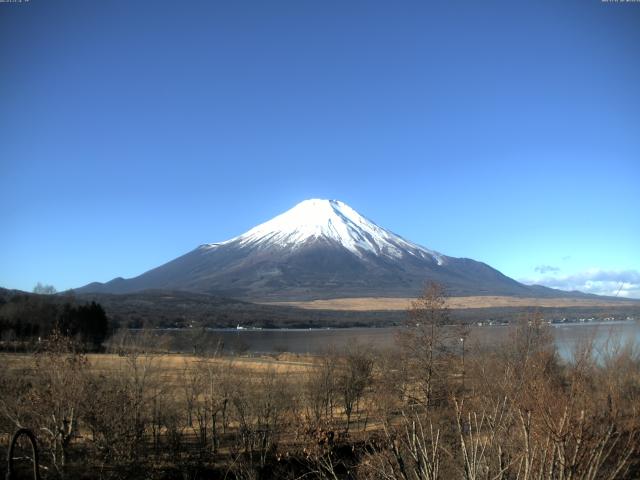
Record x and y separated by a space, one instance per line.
435 407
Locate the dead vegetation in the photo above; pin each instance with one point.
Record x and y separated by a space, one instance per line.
488 301
429 409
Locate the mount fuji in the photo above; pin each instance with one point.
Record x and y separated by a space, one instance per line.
320 249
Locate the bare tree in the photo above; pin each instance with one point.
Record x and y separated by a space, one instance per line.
56 395
262 407
319 390
43 289
410 448
427 344
353 377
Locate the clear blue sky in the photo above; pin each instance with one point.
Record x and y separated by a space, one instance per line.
507 132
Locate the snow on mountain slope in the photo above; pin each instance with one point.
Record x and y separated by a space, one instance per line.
330 220
319 249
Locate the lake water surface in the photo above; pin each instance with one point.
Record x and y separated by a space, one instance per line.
567 337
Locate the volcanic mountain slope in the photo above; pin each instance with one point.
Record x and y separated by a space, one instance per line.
320 249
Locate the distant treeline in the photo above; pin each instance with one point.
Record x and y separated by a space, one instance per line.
27 316
164 309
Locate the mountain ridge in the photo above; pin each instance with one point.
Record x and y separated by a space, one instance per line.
320 249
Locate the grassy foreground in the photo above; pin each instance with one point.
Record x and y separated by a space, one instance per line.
426 409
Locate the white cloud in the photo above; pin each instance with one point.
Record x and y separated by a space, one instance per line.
546 269
624 283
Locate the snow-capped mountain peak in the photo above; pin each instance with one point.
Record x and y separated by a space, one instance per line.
319 249
333 221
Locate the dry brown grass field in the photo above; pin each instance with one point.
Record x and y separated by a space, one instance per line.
392 304
172 364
